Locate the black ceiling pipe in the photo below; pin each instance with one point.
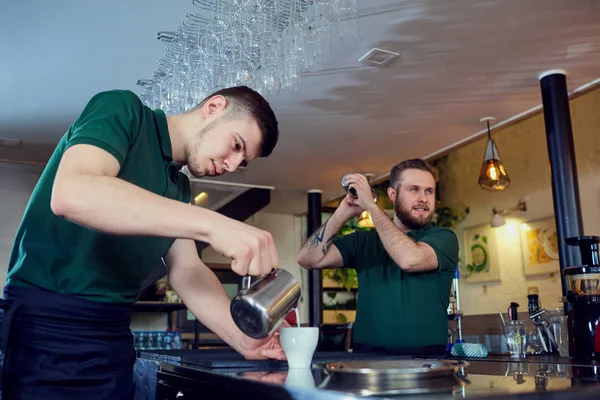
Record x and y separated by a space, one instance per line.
313 222
561 152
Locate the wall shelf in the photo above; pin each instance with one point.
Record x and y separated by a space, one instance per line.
331 316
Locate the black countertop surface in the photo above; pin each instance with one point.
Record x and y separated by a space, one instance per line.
226 374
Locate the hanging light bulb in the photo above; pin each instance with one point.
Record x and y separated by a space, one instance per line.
493 175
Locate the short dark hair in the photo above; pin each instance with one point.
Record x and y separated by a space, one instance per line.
243 100
414 163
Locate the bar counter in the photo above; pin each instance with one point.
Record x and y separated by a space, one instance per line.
221 374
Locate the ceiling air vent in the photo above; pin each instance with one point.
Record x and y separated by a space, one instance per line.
378 57
9 142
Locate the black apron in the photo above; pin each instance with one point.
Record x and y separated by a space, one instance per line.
58 346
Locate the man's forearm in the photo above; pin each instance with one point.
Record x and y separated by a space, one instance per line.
204 296
112 205
316 247
399 245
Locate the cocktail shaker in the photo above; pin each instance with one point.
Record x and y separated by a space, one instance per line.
352 191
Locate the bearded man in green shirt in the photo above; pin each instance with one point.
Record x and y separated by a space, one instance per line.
405 266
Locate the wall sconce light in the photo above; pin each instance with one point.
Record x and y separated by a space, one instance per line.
493 175
498 215
364 219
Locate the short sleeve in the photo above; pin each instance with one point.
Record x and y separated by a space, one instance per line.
347 246
445 244
110 121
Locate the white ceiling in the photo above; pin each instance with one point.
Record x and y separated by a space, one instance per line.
460 60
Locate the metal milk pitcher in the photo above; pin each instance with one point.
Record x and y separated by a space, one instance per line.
260 307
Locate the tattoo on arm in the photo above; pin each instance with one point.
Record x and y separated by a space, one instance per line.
317 238
328 244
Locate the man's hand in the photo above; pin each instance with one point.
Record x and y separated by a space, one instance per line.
363 190
261 349
205 297
251 250
348 208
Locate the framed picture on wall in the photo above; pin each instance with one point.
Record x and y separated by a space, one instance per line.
539 246
481 251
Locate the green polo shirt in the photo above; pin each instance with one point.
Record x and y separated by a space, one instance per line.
396 308
52 253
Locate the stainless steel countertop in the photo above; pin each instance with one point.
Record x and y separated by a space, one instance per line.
535 377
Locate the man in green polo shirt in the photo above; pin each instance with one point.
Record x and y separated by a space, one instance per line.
405 266
109 205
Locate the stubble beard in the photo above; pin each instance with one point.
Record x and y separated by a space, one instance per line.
193 160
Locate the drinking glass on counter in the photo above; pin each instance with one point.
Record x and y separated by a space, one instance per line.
516 338
560 330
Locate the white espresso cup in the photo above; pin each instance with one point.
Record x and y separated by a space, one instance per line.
299 345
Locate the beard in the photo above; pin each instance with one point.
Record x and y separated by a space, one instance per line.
194 161
410 221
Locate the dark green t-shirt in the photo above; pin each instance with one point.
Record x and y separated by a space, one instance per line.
396 308
54 254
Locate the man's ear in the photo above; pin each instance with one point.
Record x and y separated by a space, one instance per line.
391 192
213 105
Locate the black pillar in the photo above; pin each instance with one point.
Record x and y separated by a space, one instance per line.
561 152
313 222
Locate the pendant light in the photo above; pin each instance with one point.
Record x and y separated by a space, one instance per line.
493 175
365 220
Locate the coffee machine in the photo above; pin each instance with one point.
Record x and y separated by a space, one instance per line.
584 296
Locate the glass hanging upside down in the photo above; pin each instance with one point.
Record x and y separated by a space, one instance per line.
263 44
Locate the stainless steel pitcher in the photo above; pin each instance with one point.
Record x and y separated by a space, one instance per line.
260 307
